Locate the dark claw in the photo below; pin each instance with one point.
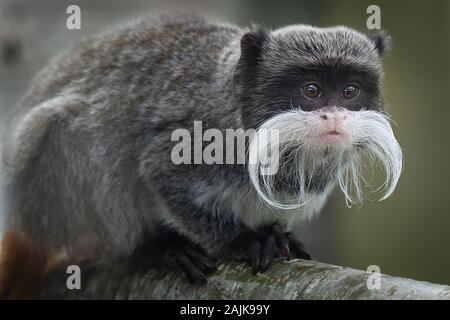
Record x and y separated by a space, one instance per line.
201 260
173 265
282 240
192 273
260 248
297 247
177 253
267 253
254 252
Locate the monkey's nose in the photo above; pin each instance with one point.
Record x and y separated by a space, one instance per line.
335 115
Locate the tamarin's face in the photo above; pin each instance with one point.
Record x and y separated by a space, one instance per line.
320 88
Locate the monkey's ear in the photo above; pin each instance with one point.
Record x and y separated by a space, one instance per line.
251 51
252 43
381 40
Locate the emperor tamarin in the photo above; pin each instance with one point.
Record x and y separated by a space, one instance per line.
89 165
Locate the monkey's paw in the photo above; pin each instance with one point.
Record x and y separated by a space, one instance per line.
190 261
261 248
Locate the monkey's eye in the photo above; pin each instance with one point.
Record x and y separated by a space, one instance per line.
351 91
312 91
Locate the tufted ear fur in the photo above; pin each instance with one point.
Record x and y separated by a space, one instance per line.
381 40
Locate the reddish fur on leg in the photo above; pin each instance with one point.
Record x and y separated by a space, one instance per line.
23 267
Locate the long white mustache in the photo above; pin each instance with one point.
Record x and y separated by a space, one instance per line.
368 132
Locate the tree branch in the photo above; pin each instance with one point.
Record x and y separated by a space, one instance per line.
284 280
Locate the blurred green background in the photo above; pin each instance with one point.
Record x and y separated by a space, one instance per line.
407 235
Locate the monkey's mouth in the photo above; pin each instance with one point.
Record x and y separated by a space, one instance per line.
333 133
333 137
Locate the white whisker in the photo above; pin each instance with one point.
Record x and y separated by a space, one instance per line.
303 161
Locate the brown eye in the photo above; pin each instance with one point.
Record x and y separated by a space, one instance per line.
312 91
351 91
